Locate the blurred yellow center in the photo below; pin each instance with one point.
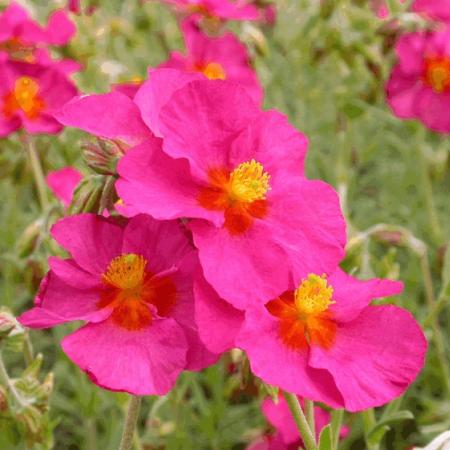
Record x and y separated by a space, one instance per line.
249 182
24 96
126 271
214 71
313 296
437 73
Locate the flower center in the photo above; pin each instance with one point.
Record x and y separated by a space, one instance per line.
304 318
134 293
313 296
25 96
249 182
214 71
437 73
240 194
18 50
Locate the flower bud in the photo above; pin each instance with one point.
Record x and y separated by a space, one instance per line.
86 197
30 238
103 155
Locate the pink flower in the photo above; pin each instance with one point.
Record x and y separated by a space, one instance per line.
436 9
220 58
237 173
419 86
23 39
221 9
132 284
29 96
63 182
323 341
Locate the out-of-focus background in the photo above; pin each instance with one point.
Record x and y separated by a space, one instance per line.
324 64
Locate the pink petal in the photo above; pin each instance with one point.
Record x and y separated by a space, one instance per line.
218 322
145 362
92 240
112 116
63 182
375 357
276 364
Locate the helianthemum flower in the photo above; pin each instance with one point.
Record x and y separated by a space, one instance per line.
29 96
286 436
325 342
237 173
132 284
223 58
23 39
419 86
220 9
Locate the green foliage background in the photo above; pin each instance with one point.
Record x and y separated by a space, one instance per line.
324 64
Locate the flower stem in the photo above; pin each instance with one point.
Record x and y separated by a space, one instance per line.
369 421
36 168
5 380
336 422
309 412
427 191
300 421
130 423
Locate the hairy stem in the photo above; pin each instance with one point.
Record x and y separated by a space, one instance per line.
300 421
336 422
131 419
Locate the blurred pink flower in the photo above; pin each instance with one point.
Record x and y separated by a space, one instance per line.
223 57
23 39
237 173
30 94
132 284
435 9
325 342
63 182
419 86
221 9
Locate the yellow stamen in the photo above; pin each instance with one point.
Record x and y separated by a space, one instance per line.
313 296
249 182
125 271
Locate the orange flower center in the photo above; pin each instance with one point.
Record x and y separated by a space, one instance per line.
241 194
304 316
18 50
212 70
24 97
131 291
437 73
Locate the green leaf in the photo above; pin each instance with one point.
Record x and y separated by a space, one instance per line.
325 442
378 431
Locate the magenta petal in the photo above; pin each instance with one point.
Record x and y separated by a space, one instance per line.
375 357
276 364
218 322
163 243
112 116
352 295
244 269
273 142
63 182
60 29
92 240
153 183
432 109
68 271
157 91
202 119
58 303
145 362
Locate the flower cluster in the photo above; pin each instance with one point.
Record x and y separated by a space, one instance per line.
219 240
33 85
419 86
